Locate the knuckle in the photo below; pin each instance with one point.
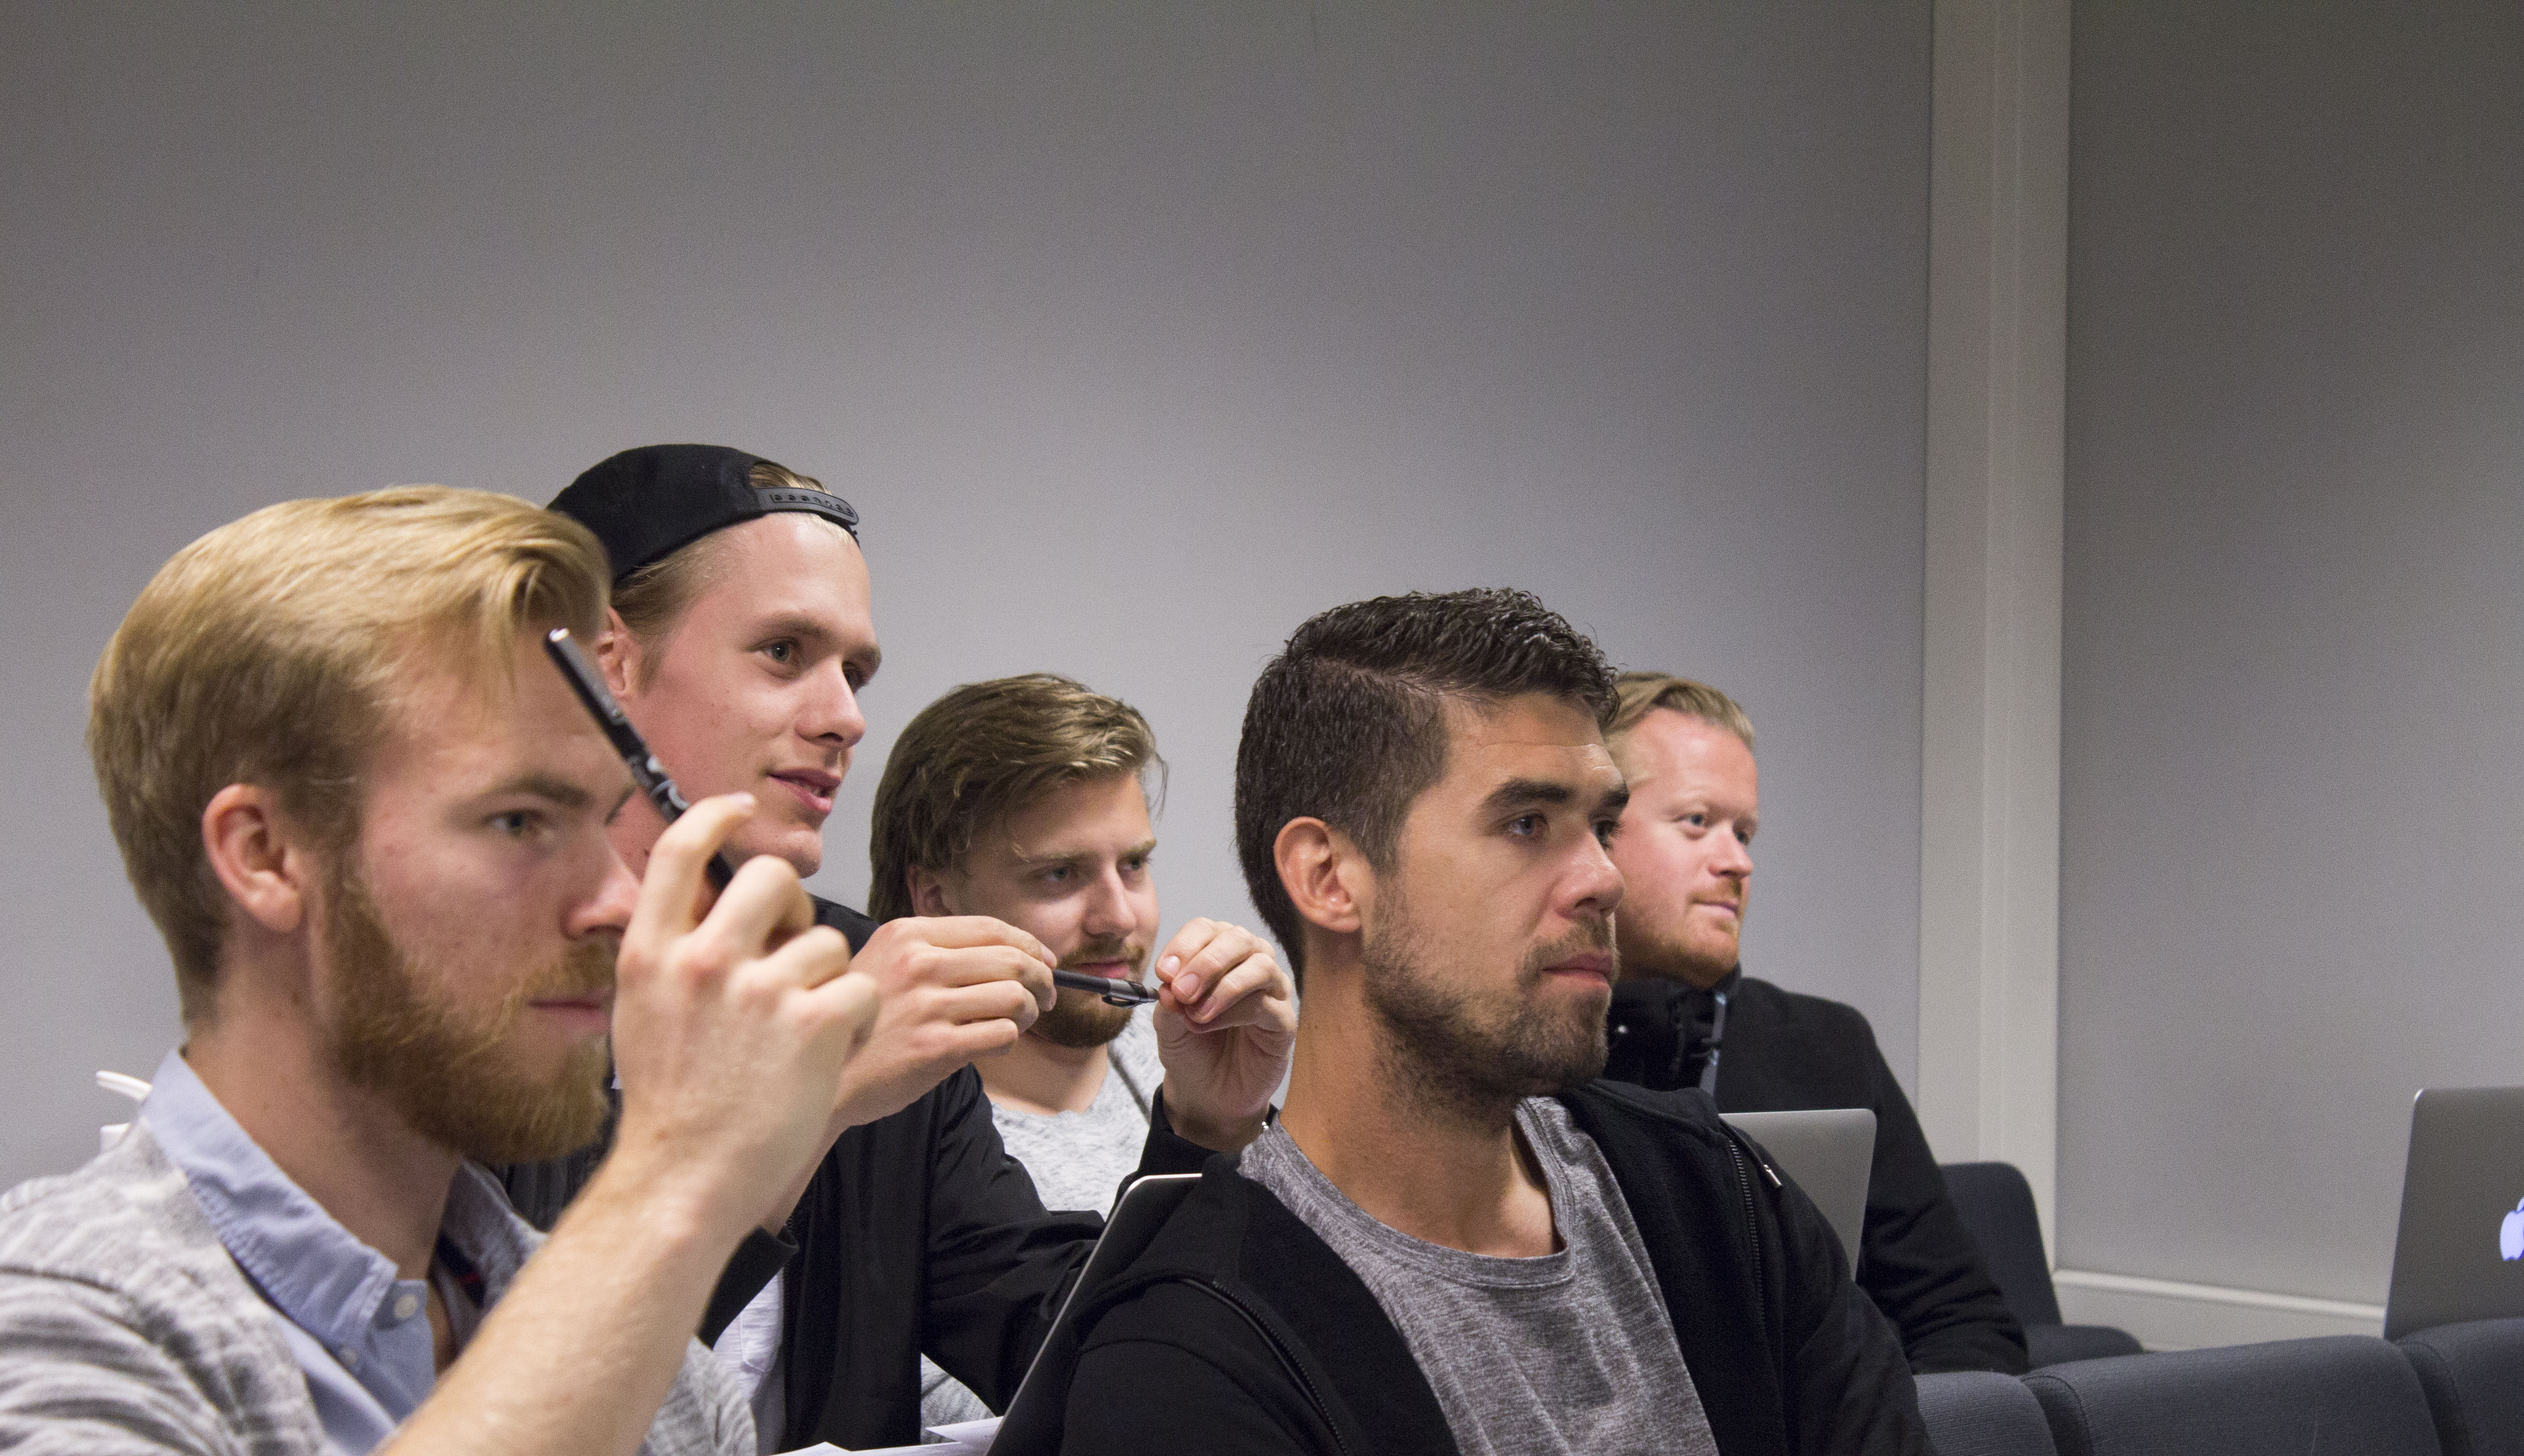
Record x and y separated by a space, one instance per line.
704 957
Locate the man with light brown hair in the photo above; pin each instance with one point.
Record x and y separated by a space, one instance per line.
1684 1014
370 821
1025 798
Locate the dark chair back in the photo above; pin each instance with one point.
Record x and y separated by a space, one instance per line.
2474 1377
1982 1413
1997 1207
2343 1392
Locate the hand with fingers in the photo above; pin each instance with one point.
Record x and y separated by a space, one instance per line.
733 1023
1227 1026
953 988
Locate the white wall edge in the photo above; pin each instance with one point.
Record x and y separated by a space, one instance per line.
1989 824
2171 1315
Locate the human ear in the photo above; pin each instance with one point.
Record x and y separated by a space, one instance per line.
1321 870
928 892
617 654
257 862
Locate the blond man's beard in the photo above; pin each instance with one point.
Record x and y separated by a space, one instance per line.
447 1070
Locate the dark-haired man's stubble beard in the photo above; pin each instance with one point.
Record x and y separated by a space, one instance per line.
1080 1019
442 1069
1441 1048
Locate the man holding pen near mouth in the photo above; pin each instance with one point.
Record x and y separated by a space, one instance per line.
1027 799
739 639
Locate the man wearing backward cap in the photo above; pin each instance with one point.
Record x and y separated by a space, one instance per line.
740 640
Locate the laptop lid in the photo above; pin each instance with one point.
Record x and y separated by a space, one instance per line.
1830 1154
2460 1254
1128 1232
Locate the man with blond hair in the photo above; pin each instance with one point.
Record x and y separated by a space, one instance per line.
370 822
1026 799
1686 1016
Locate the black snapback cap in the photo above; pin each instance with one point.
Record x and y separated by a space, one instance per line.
647 501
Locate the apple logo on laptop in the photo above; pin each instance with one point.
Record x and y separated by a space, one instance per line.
2510 1234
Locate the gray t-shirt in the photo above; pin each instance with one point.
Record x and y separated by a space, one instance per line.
1077 1160
1568 1353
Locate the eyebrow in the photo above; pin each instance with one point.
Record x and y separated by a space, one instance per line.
558 791
1143 848
793 625
1518 794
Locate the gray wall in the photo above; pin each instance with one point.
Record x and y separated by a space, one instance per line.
2294 755
1138 332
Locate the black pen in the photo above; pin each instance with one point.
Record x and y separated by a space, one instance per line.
645 770
1116 991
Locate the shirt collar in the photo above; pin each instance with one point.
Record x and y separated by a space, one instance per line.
313 1270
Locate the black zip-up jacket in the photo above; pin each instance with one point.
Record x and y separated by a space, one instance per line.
1782 1052
1240 1333
917 1234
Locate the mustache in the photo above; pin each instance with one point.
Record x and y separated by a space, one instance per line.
1110 948
583 970
1592 934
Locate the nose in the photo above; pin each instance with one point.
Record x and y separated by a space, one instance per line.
1595 885
830 712
1733 856
609 907
1108 910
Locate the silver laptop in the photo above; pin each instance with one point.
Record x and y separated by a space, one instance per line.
1830 1154
2461 1253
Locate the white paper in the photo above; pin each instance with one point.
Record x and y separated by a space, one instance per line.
963 1438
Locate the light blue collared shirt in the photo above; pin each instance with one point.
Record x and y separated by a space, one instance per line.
360 1333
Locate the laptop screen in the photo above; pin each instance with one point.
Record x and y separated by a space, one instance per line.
2460 1254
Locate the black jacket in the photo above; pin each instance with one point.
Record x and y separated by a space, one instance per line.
917 1234
1240 1331
1782 1052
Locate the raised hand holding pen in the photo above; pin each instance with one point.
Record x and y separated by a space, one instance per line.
734 1019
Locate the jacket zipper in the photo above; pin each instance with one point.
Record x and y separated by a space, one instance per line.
1287 1361
1753 1235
